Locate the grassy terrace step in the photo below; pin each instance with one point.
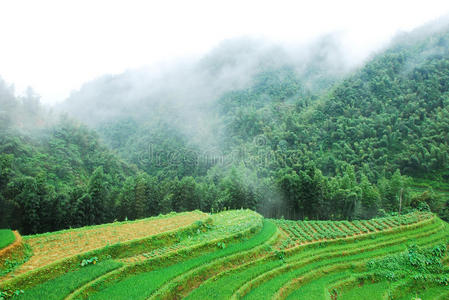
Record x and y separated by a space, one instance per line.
374 290
404 288
225 285
258 246
14 254
431 293
152 237
54 269
236 254
141 279
62 286
396 289
302 232
317 289
223 224
401 290
297 260
283 282
356 289
286 285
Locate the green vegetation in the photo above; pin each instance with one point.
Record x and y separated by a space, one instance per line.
297 140
7 237
374 290
237 254
290 180
228 227
142 286
62 286
309 231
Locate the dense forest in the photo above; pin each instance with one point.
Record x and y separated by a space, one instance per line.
298 135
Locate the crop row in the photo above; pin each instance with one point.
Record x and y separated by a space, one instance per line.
280 282
300 232
246 278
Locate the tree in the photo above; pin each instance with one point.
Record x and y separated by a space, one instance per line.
97 189
85 208
370 198
289 183
126 199
141 200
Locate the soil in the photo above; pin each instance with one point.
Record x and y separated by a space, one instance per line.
50 248
10 248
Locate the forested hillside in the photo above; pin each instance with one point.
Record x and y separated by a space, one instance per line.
54 172
300 134
299 139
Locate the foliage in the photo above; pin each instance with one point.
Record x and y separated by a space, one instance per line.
63 285
139 287
291 142
7 237
89 261
421 265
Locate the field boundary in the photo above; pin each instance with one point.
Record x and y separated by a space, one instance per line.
169 259
11 247
57 268
167 290
84 228
256 281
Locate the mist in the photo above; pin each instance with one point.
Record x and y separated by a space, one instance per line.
252 122
185 92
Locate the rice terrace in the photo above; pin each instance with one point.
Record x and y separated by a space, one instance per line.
235 254
224 150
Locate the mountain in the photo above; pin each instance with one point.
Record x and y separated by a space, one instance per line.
48 167
294 132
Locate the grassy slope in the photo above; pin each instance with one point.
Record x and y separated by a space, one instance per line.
62 286
258 246
54 268
143 285
346 258
225 287
6 238
374 290
378 290
248 267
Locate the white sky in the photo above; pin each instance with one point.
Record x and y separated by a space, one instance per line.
55 46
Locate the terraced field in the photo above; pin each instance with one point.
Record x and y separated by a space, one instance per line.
239 255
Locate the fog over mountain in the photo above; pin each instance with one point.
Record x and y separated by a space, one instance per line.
289 129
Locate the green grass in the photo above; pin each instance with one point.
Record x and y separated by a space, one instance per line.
401 290
258 246
143 285
240 255
317 289
62 286
234 225
225 285
7 237
307 257
115 251
372 291
431 293
233 280
271 287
